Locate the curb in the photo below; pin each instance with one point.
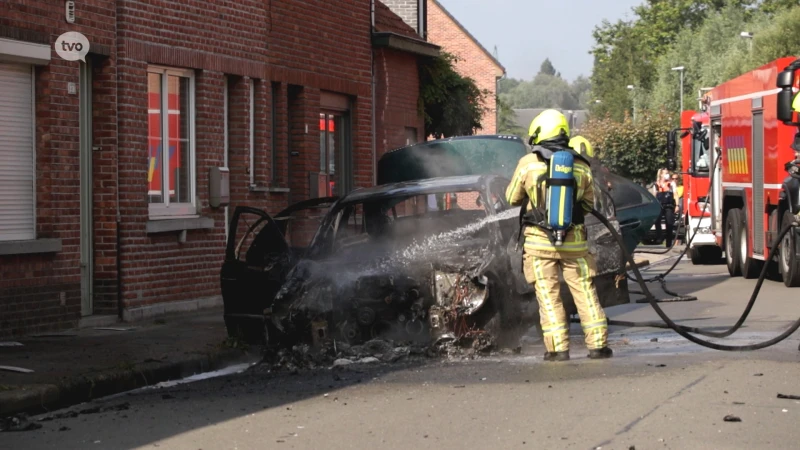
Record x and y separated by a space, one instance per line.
40 398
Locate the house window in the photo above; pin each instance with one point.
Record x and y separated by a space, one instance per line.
171 172
17 167
411 136
334 153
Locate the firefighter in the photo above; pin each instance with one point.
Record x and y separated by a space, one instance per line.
549 133
582 145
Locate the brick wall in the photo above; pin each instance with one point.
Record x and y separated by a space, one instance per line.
293 52
408 10
473 62
283 47
42 291
396 97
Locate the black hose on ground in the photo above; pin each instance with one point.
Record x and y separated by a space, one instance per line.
661 277
683 330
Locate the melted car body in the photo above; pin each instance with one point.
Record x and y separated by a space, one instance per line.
432 251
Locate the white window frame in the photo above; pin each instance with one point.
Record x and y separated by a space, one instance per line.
167 209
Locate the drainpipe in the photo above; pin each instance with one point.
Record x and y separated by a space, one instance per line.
496 104
120 308
252 120
372 78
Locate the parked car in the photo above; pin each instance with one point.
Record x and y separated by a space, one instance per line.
636 209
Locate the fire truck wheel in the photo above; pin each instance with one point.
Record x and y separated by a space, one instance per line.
706 254
733 232
789 262
751 267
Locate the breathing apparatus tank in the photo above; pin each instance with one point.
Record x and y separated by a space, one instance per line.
560 195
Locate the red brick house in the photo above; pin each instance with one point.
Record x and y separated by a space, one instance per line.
398 49
432 22
110 169
474 61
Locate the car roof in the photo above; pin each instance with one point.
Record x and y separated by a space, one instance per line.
506 137
421 187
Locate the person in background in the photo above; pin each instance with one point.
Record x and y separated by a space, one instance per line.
679 200
665 193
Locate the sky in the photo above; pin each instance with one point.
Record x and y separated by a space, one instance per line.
528 31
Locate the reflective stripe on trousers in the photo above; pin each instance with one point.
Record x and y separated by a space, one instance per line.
578 274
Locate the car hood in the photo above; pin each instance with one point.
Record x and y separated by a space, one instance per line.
350 266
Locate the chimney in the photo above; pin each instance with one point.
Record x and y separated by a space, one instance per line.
413 13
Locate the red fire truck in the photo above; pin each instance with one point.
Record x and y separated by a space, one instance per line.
741 139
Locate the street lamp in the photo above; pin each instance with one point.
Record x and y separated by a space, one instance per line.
680 69
749 36
631 88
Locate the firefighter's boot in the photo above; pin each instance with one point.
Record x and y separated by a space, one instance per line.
556 356
601 353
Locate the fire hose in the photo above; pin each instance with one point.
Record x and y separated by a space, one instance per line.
661 278
685 331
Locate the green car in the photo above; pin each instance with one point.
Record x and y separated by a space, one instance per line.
635 209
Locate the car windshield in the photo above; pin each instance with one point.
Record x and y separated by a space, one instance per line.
401 221
700 156
491 155
496 155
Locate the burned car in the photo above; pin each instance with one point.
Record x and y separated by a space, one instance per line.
431 251
403 261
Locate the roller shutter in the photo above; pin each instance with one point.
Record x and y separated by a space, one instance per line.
16 152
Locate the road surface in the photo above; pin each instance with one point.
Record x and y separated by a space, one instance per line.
659 391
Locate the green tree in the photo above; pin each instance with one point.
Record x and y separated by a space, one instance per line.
506 85
631 53
580 89
779 38
634 150
506 123
451 104
547 68
546 90
776 6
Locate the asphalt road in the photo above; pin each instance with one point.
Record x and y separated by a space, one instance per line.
658 392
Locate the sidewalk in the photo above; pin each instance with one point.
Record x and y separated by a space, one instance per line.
79 365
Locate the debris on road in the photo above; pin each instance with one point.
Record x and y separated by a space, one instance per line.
758 375
789 397
93 410
731 418
18 422
10 344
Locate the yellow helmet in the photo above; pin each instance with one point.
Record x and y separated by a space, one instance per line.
581 145
547 125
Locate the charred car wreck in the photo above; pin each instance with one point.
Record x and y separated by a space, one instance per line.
416 258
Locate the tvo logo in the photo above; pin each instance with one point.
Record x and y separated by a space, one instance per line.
72 46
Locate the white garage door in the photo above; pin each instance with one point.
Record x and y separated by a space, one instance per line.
16 152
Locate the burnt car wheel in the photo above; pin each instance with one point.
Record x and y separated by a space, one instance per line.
251 331
504 315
